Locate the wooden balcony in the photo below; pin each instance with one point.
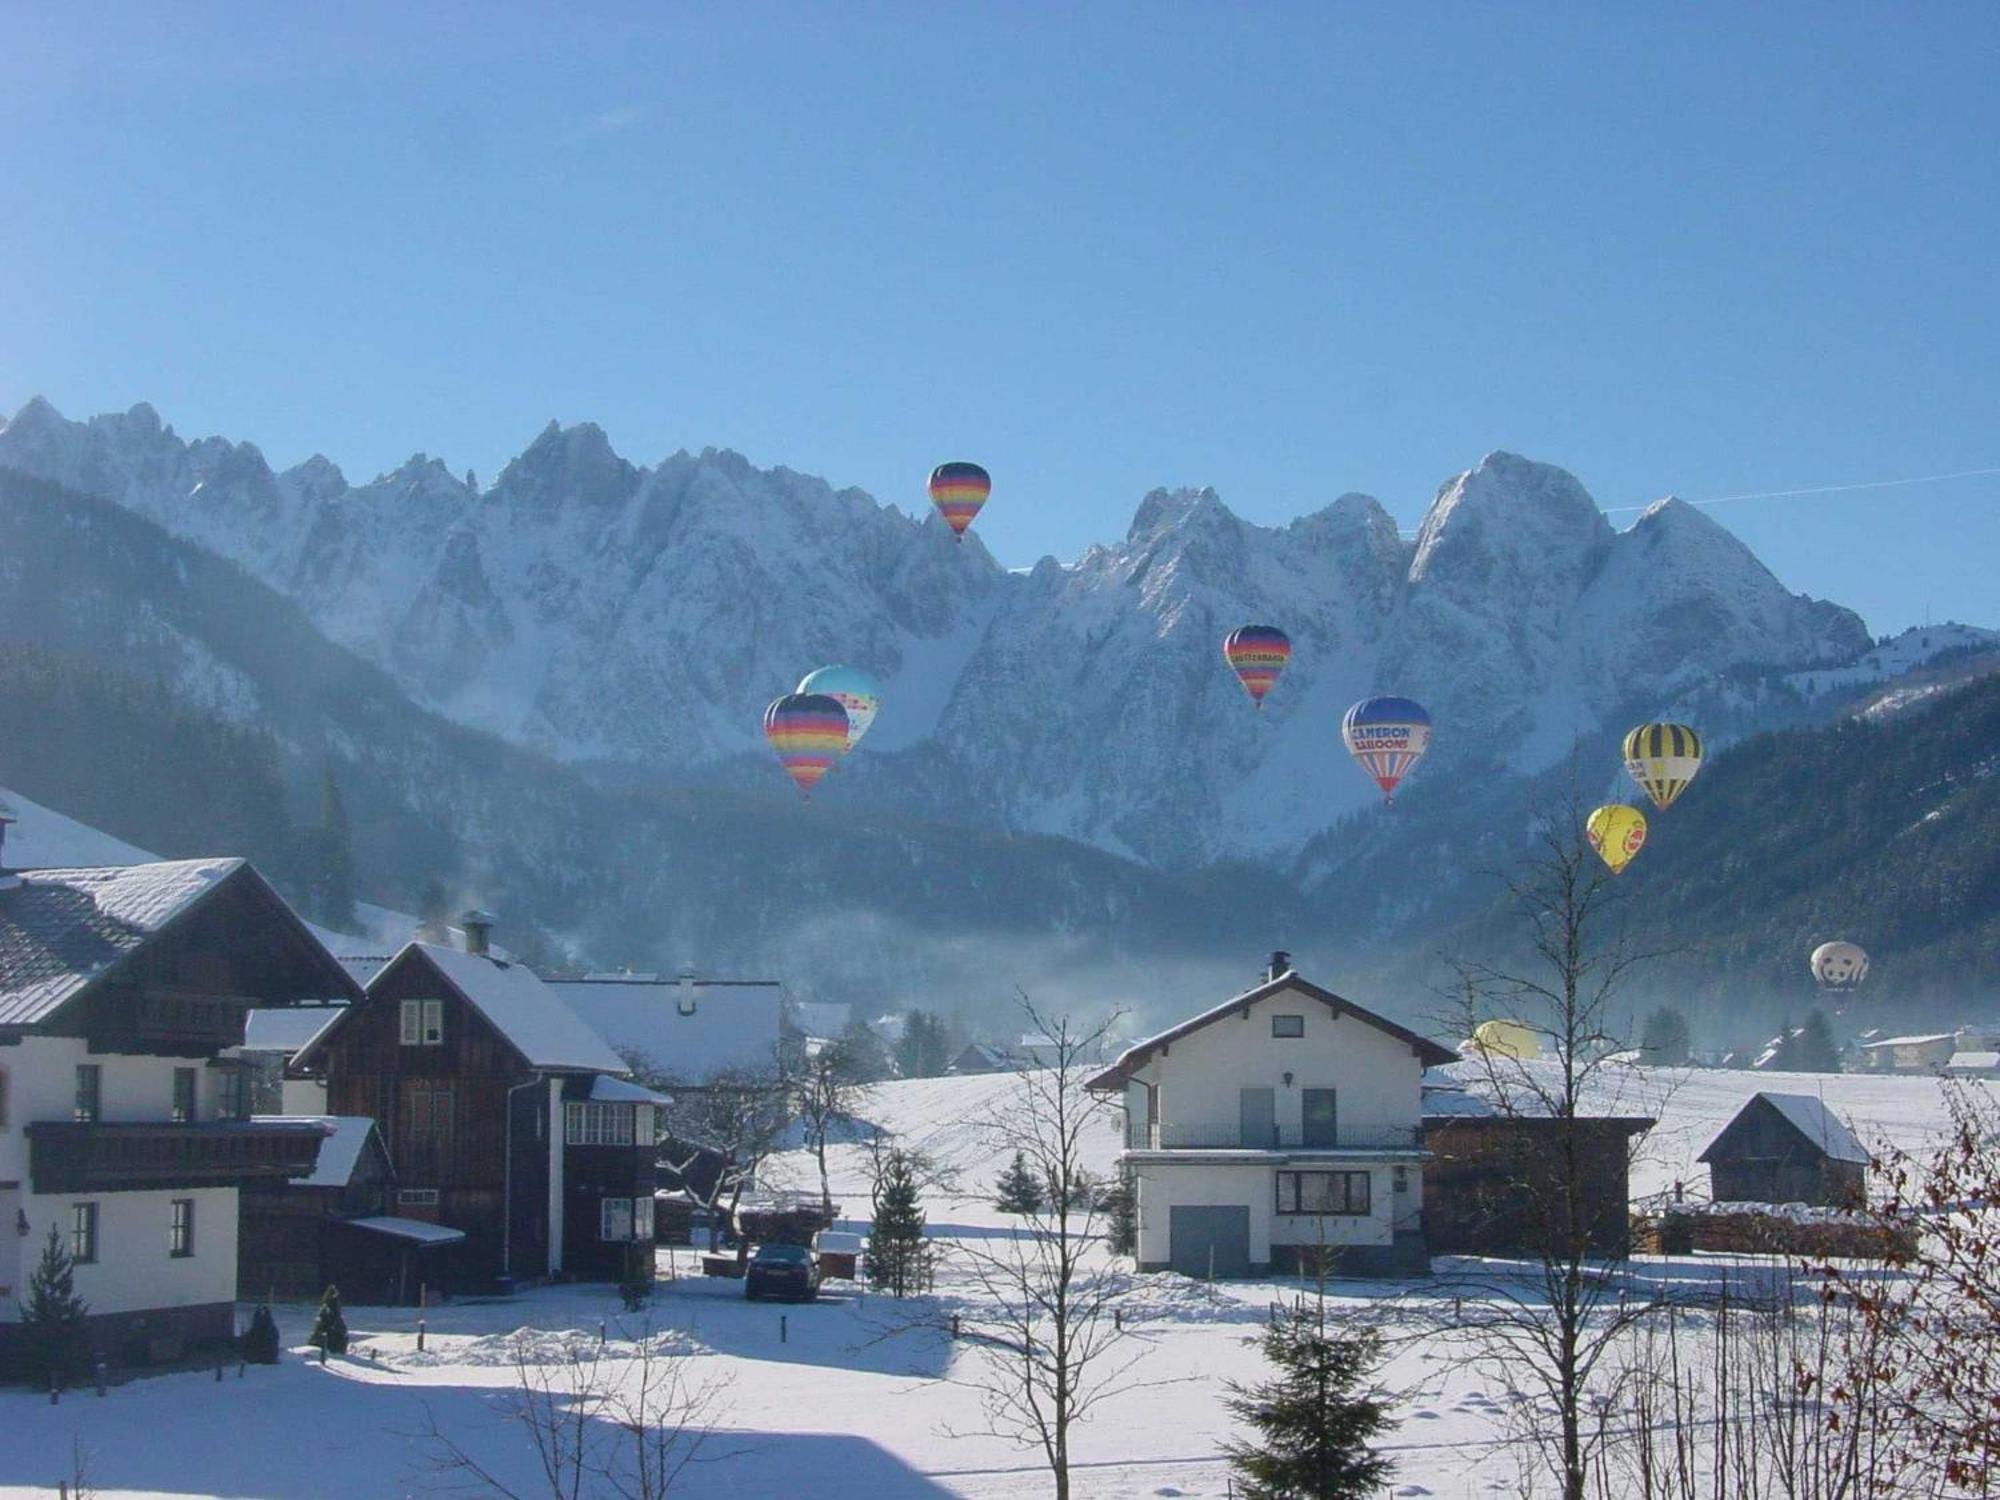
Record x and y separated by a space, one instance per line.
70 1158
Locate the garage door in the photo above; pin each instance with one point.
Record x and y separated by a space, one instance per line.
1207 1241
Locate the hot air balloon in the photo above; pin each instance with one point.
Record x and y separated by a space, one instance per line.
1507 1039
1663 759
1839 965
854 690
809 732
1616 832
958 490
1257 654
1386 737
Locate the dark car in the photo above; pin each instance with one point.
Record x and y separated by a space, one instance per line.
782 1271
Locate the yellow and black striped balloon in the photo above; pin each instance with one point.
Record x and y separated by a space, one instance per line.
1663 759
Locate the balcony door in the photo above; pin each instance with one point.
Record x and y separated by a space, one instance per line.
1317 1119
1258 1109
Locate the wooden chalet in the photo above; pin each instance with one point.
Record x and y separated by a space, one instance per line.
504 1116
123 1127
1787 1148
1496 1182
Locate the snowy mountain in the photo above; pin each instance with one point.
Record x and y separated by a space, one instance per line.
636 620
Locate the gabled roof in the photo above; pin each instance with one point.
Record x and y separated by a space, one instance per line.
1927 1039
62 932
1430 1054
514 1001
286 1028
1810 1118
339 1154
687 1032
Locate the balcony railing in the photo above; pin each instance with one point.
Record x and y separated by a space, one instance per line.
1229 1135
98 1158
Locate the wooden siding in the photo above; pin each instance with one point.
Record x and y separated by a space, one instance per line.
1760 1157
1493 1186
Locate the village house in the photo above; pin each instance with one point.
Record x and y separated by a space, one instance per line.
1927 1053
1278 1126
122 1126
1787 1148
687 1029
505 1116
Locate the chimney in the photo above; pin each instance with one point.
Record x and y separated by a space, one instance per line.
684 1002
1281 962
478 927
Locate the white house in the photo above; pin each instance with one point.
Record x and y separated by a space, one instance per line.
123 1127
1283 1123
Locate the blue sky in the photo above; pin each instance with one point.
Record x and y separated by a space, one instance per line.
1287 251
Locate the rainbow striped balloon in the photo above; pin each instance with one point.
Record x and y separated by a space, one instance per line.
1386 737
958 490
809 732
1257 654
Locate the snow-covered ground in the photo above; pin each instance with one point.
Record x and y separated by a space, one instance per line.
856 1396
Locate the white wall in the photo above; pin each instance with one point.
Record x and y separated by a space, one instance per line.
134 1270
1378 1079
1163 1185
302 1096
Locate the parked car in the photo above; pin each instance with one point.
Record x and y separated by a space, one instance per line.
782 1271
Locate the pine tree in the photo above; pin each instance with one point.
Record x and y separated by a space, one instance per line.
1120 1204
898 1253
1815 1050
1665 1043
864 1056
55 1333
1315 1417
259 1343
924 1050
329 1330
326 860
1019 1191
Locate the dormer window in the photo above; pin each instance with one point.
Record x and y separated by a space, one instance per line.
1288 1026
423 1023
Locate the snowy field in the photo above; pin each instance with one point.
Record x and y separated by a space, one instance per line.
853 1398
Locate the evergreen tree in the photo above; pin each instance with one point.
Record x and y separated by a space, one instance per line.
1665 1042
924 1051
1120 1205
1019 1191
898 1253
1814 1050
326 860
1314 1417
864 1056
54 1332
259 1343
329 1330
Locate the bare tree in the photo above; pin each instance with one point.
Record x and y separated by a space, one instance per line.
1052 1345
1551 1328
825 1091
602 1420
719 1132
930 1175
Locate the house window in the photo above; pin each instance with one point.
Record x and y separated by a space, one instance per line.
416 1197
1288 1026
642 1219
180 1237
232 1095
423 1023
89 1093
1323 1193
83 1233
614 1218
599 1124
183 1096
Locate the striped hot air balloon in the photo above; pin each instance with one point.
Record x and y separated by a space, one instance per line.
958 490
854 690
1663 759
1386 737
809 733
1257 654
1617 832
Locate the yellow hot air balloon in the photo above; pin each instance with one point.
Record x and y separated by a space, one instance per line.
1663 759
1616 832
1507 1039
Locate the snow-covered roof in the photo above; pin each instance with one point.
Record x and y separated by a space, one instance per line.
529 1013
364 966
827 1018
286 1028
605 1089
1975 1061
1913 1041
339 1153
686 1031
414 1230
1810 1117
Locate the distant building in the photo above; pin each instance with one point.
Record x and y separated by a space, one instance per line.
124 1126
1787 1148
685 1028
982 1057
271 1039
1973 1063
1927 1053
